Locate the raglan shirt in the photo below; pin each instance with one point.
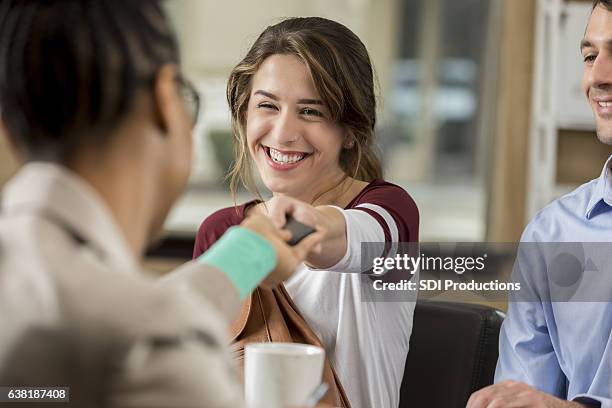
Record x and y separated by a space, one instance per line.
366 341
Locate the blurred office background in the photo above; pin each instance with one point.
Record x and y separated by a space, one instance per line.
481 116
435 122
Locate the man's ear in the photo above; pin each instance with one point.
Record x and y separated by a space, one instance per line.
166 103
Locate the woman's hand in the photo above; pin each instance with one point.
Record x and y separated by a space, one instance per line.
323 218
279 207
288 257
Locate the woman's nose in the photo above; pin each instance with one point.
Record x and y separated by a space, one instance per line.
286 129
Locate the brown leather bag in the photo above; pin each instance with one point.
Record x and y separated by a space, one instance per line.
270 315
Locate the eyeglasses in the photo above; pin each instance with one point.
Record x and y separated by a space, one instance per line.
190 96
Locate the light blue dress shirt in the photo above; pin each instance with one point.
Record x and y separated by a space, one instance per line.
565 348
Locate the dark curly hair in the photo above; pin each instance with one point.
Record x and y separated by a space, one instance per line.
69 69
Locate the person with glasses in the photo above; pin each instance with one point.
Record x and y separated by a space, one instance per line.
190 97
93 102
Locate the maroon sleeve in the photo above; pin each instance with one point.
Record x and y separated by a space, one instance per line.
214 226
398 204
402 208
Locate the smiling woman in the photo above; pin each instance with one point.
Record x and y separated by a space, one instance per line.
290 134
321 71
303 111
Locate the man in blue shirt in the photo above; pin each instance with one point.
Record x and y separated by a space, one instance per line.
559 353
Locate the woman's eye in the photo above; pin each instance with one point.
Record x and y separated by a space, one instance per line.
266 105
311 112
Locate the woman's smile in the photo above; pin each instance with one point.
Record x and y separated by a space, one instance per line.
284 160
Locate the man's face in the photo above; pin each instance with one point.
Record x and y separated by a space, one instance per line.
596 48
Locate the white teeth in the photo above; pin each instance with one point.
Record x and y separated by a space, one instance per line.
605 104
279 157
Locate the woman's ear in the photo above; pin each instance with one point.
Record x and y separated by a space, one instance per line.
166 104
349 140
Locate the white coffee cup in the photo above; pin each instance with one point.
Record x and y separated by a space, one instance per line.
281 375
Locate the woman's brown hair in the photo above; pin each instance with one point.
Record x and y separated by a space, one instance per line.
342 73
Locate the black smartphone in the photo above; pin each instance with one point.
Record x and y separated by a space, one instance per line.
298 230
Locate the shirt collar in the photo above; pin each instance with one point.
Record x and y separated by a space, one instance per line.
602 192
55 190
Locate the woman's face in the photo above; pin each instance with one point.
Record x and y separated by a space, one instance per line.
293 141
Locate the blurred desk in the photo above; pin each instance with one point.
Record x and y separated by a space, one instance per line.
182 225
448 212
194 206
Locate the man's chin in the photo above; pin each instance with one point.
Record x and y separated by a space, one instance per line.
604 134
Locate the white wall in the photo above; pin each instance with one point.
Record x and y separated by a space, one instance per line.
215 35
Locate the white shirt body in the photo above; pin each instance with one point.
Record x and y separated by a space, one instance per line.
365 336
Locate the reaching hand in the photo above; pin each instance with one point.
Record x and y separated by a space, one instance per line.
287 258
279 207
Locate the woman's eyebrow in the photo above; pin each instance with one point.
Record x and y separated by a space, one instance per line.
304 101
266 94
310 102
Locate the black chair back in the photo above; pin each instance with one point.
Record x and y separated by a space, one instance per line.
453 352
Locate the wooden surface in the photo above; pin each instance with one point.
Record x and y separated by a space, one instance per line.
580 156
506 212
